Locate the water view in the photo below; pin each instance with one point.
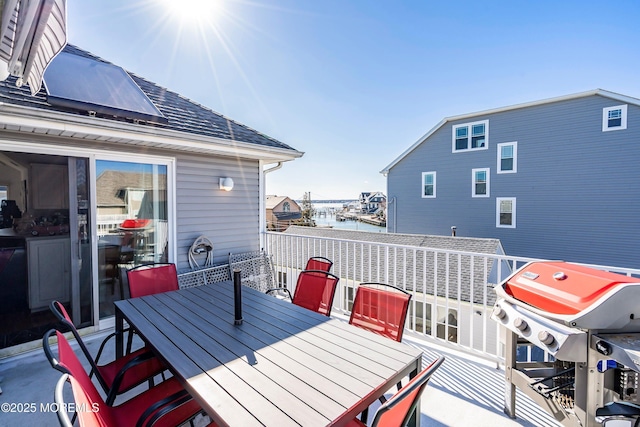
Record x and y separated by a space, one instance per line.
326 217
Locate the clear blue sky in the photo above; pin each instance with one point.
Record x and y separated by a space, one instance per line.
353 83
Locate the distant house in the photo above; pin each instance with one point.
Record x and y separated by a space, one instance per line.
370 202
121 193
281 212
556 178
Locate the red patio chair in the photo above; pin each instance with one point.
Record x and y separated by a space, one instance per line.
319 263
168 404
380 308
314 291
149 279
397 411
121 374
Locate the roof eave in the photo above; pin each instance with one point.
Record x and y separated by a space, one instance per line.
33 120
616 96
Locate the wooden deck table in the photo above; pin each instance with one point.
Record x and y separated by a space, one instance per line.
283 366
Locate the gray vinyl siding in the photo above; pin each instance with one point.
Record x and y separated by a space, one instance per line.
576 187
229 219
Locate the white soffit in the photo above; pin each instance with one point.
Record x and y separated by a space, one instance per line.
27 120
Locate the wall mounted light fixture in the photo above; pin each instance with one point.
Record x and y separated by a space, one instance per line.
226 184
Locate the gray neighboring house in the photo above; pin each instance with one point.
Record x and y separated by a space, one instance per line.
92 118
554 179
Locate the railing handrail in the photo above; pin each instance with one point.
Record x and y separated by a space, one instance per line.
452 288
623 270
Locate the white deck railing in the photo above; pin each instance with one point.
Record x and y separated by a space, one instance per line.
452 291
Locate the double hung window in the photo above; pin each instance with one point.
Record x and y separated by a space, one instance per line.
428 184
470 136
506 212
508 157
480 182
614 118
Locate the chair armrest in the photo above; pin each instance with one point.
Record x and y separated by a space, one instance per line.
268 291
63 417
115 386
163 407
104 342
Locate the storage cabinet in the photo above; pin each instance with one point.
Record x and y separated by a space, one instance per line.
49 186
49 270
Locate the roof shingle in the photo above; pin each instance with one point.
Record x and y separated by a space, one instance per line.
183 114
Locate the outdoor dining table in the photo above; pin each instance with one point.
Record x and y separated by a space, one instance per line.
282 366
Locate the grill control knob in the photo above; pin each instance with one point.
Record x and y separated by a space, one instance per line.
546 338
499 312
604 347
521 324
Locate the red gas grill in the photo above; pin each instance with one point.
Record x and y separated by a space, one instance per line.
588 321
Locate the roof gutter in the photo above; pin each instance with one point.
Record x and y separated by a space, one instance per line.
29 120
275 168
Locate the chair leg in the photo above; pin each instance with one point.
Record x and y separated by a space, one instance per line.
129 341
364 416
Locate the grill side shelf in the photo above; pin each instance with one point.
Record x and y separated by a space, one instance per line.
623 348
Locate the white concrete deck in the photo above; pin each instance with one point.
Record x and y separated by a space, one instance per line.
463 392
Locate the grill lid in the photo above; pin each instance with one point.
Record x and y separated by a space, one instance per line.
577 296
560 287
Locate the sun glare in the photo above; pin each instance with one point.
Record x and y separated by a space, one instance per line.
194 10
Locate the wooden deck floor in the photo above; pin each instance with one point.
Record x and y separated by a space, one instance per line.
463 392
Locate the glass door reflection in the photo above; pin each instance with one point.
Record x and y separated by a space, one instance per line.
131 223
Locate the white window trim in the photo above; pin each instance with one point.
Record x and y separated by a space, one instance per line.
605 118
434 185
469 125
513 212
515 157
473 182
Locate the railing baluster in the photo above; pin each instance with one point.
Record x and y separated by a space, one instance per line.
291 251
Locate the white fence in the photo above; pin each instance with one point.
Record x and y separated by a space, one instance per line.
452 290
105 224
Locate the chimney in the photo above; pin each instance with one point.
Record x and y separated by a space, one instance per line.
453 231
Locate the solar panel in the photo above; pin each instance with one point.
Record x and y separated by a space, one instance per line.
82 83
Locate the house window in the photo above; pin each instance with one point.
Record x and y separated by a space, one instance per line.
480 182
508 157
614 118
470 136
428 184
506 212
447 324
286 207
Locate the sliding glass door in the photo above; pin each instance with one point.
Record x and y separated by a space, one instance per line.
131 222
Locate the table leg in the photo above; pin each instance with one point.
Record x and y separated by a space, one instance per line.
119 334
414 421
